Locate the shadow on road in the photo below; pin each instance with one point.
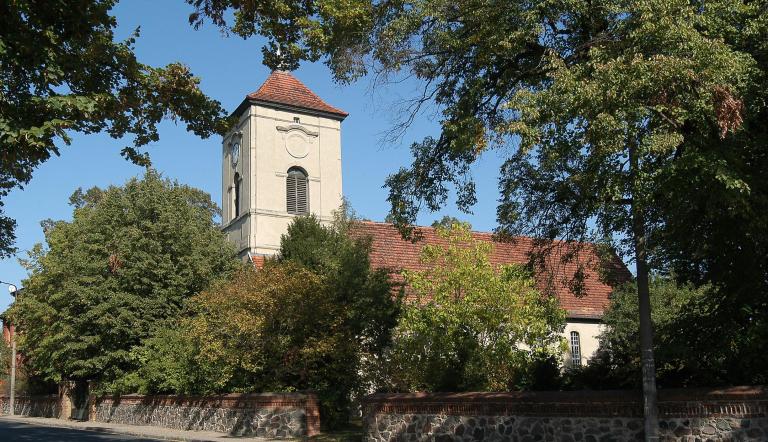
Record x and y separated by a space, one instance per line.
15 431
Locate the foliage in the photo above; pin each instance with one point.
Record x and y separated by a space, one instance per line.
307 320
470 325
257 331
5 359
342 256
567 90
367 304
63 72
169 362
114 275
446 222
687 350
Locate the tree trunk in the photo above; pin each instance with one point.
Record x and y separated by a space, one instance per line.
650 407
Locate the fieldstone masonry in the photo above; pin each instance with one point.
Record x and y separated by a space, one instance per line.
737 414
288 415
35 406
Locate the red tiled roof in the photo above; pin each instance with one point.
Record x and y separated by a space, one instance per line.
283 88
390 251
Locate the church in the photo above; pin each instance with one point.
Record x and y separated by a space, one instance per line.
282 159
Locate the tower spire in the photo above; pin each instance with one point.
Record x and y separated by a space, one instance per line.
281 60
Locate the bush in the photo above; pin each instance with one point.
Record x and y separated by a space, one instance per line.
686 355
307 320
470 325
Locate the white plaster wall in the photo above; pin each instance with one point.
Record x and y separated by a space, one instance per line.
589 331
264 164
237 230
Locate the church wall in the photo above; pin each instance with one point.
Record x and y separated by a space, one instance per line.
330 166
589 330
280 143
237 230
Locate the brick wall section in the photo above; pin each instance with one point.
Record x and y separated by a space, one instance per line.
36 406
273 415
739 413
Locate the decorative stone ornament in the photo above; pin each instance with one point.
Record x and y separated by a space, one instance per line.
297 139
297 145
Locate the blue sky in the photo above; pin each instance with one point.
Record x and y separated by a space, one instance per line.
229 68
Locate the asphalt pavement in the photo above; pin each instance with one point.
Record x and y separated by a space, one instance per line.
23 428
11 431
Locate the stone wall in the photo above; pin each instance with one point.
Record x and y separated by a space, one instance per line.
285 415
688 415
37 406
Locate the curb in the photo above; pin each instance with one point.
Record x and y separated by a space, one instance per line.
127 432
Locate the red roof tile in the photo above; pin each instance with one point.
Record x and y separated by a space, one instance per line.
390 251
283 88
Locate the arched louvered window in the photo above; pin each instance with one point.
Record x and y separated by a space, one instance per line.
297 191
238 184
575 349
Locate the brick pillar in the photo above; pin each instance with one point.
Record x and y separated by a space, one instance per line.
312 411
65 400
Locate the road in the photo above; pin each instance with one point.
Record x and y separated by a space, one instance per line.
16 431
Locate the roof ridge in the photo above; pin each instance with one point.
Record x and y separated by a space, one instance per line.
530 238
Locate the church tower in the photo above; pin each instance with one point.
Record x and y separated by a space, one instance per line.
281 160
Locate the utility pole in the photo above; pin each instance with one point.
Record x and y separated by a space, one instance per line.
12 329
13 371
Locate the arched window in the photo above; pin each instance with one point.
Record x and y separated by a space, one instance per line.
575 349
297 191
238 184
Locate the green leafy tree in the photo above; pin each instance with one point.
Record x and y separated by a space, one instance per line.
446 222
119 271
342 256
367 302
274 329
469 325
683 346
62 72
310 319
636 121
170 362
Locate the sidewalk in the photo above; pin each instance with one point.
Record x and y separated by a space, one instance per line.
134 430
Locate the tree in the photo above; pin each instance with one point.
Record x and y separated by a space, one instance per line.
64 73
469 325
312 318
446 222
367 302
275 329
611 111
120 270
685 356
342 256
686 346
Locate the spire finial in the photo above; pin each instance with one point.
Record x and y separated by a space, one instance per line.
280 59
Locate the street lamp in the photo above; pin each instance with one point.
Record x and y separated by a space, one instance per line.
12 329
